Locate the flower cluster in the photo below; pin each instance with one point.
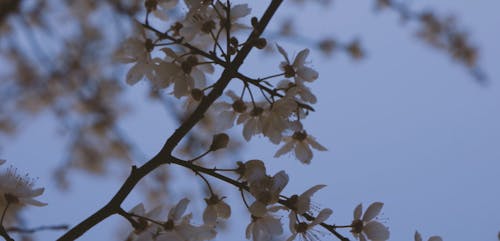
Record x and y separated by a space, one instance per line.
177 226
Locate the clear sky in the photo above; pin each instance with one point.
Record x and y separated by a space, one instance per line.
407 126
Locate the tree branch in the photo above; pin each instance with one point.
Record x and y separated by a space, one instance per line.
164 155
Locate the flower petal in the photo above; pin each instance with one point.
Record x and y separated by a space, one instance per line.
435 238
179 209
300 59
304 201
322 216
372 211
358 211
284 149
283 52
303 152
376 231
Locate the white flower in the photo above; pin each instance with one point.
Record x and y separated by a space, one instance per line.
265 227
267 191
366 227
301 142
158 7
199 23
253 122
236 12
18 190
216 208
144 229
137 50
297 69
252 170
302 204
297 91
304 229
276 119
185 73
228 112
432 238
176 228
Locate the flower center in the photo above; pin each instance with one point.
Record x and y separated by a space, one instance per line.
257 111
169 225
299 135
301 227
357 226
289 71
239 106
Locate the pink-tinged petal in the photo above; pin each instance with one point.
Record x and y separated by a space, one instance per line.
37 192
138 209
376 231
362 237
157 213
358 211
303 152
300 60
307 74
168 4
210 215
249 129
304 201
135 74
284 149
435 238
322 216
240 10
223 210
372 211
225 120
33 202
292 221
418 237
280 180
180 87
283 52
314 144
258 209
179 209
274 226
292 237
160 15
248 230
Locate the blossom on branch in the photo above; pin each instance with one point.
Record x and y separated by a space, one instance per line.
264 227
16 189
297 69
301 143
304 229
364 227
137 50
216 208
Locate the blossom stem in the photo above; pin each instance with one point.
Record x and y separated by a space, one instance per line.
206 181
4 212
269 77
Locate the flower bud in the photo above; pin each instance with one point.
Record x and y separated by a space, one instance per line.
219 141
260 43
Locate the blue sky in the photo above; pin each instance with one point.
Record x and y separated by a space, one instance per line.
407 126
